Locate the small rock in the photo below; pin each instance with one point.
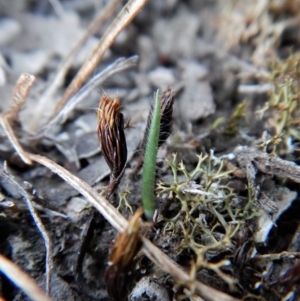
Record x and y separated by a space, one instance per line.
30 62
142 83
148 55
75 207
162 78
148 289
87 145
196 101
10 29
192 70
176 37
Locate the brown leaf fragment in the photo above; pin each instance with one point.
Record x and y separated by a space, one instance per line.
124 250
112 138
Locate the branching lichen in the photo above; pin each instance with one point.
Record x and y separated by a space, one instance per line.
282 109
210 213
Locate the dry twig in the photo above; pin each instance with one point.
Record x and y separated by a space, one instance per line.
20 93
118 66
13 139
122 20
268 164
39 224
22 280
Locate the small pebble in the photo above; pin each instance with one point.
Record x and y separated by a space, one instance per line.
148 289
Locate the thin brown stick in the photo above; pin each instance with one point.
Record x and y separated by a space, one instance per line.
120 223
22 280
122 20
56 81
104 207
166 264
118 65
13 139
39 224
20 93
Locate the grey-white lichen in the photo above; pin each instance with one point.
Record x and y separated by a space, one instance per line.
211 213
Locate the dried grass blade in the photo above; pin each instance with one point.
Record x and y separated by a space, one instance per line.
103 206
22 280
119 65
13 139
126 15
20 93
39 224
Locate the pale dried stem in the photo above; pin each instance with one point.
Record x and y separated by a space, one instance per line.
22 280
13 139
103 206
40 226
65 65
122 20
20 93
166 264
119 65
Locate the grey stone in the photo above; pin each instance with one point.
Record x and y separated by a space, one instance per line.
196 101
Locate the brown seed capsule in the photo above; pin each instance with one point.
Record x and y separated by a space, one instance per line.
112 138
166 122
126 247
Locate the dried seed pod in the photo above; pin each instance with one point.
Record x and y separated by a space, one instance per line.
112 138
121 260
166 122
166 119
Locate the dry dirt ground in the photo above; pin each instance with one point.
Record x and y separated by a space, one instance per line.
231 222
